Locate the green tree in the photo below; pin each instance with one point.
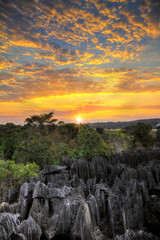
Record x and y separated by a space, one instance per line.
120 141
42 120
43 150
142 134
12 175
59 151
69 129
100 130
89 144
158 135
35 148
9 134
60 123
9 144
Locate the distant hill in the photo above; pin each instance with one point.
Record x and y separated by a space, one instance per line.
117 125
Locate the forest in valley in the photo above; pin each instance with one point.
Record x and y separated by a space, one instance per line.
43 140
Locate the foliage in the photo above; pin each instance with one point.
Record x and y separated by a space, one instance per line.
12 175
60 123
8 139
42 141
158 135
69 129
45 118
35 148
120 141
90 144
142 133
43 121
8 129
100 130
9 144
121 124
59 151
42 150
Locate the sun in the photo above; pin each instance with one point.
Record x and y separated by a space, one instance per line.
79 120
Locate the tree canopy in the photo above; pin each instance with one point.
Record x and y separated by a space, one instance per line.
42 119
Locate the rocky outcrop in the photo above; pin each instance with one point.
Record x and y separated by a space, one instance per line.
102 199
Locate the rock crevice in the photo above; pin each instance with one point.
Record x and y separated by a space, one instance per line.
104 199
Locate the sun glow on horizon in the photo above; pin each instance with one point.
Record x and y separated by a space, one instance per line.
101 65
79 120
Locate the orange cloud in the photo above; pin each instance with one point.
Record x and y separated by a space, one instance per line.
90 106
77 52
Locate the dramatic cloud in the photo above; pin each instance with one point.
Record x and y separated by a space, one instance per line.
83 48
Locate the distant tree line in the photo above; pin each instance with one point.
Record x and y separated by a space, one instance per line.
121 124
43 140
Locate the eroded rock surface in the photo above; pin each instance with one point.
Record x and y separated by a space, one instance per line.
104 199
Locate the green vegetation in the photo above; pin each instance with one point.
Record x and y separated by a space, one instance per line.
142 134
44 141
43 122
158 136
12 175
119 140
89 144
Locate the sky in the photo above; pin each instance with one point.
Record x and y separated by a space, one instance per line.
97 59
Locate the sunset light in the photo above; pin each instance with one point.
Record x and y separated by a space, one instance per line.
79 102
79 120
98 57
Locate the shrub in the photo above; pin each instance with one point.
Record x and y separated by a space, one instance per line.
12 175
9 145
69 129
42 150
36 148
158 135
100 130
120 141
89 144
142 134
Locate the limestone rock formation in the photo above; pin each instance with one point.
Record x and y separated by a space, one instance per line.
102 199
